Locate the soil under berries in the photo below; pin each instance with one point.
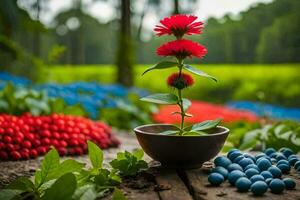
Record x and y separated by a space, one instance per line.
27 136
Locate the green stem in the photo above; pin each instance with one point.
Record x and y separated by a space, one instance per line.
180 101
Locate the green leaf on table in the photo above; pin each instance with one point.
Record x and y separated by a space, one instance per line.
139 153
62 189
86 192
118 195
9 194
23 184
49 164
67 166
161 65
198 72
161 98
205 125
107 178
186 103
95 154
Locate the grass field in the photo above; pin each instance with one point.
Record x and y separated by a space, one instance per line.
280 83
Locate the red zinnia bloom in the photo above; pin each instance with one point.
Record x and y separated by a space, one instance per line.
180 81
179 25
181 49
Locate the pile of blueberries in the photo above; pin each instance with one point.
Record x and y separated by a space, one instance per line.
256 173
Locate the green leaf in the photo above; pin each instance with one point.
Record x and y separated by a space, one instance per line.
161 65
23 184
95 154
161 98
206 125
169 132
194 133
198 72
139 153
86 192
62 189
65 167
118 195
186 104
9 194
50 163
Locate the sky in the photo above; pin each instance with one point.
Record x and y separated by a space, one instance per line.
104 12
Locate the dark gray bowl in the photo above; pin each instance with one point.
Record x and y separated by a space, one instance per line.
180 151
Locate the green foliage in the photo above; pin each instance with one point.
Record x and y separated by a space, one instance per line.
128 114
161 98
55 53
69 180
198 72
17 101
247 136
161 65
129 164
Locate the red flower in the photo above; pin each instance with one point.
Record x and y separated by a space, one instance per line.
181 49
180 81
178 25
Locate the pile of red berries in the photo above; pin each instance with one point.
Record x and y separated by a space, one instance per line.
27 136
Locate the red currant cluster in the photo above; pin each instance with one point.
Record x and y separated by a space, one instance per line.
27 136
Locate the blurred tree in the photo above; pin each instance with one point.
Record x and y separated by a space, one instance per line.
125 49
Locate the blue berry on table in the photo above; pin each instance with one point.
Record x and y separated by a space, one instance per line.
297 164
283 162
254 166
257 177
293 160
246 155
259 188
277 186
238 159
222 161
234 154
286 151
251 172
220 170
289 183
234 166
280 156
266 174
275 171
215 179
284 168
245 162
234 176
243 184
263 164
269 151
268 180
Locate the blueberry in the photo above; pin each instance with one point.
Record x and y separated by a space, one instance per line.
259 188
251 172
220 170
245 162
238 159
263 158
286 151
231 151
275 171
260 155
277 186
273 160
215 179
234 166
246 155
268 180
273 155
243 184
297 164
280 156
222 161
257 177
254 166
283 162
266 174
289 183
284 168
263 164
269 151
234 154
292 161
292 156
234 176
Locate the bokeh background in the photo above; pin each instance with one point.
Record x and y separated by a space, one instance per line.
86 57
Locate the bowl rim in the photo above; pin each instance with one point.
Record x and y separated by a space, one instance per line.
137 130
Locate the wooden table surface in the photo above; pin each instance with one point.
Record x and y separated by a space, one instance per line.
158 183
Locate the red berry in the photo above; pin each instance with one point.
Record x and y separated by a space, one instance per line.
62 151
41 150
15 155
73 142
7 139
36 143
3 155
45 141
10 147
26 144
25 155
33 153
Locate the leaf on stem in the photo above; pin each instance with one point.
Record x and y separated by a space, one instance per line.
161 98
95 155
186 103
198 72
205 125
161 65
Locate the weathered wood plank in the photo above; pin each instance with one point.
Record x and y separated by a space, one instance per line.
174 188
203 190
